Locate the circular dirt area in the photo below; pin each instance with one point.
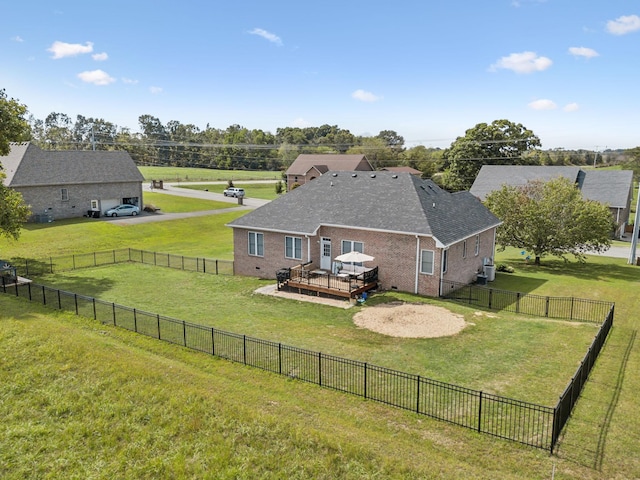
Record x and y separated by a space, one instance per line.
409 320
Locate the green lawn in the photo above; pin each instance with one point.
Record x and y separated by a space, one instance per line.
497 353
179 174
83 400
176 204
265 191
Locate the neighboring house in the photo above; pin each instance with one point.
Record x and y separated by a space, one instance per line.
70 183
308 167
410 170
417 232
613 188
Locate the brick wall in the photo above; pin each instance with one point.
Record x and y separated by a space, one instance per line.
395 257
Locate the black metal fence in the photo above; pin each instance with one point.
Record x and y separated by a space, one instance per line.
519 421
570 396
564 308
29 267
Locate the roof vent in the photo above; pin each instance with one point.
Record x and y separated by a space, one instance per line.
394 176
354 175
373 175
334 174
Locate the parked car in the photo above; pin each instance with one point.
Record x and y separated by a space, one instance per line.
234 192
122 211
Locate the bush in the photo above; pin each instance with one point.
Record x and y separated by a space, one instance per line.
505 268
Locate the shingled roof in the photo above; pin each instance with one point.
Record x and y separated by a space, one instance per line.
381 201
28 166
326 162
610 187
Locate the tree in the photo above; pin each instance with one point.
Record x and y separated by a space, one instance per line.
550 218
13 126
500 143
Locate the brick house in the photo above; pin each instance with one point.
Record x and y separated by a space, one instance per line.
308 167
417 232
613 188
70 183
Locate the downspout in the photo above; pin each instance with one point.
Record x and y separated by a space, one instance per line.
415 290
441 271
308 248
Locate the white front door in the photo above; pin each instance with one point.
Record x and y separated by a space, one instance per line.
325 253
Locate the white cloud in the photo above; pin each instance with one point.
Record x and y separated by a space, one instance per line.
97 77
129 81
272 37
525 62
155 90
100 57
62 49
300 123
623 25
571 107
17 38
543 104
365 96
583 52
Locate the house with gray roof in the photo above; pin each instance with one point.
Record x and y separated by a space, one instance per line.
613 188
418 233
71 183
308 167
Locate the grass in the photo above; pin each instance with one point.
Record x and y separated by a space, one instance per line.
495 353
179 174
83 400
265 191
176 204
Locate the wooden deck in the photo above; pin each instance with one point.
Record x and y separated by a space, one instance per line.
319 282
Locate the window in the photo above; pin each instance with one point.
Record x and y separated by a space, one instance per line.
256 244
293 247
350 246
445 257
464 249
477 245
65 194
426 262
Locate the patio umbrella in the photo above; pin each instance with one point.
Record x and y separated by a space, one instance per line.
354 257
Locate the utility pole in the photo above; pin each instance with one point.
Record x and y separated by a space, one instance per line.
636 224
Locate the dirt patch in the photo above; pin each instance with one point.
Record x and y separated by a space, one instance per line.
410 320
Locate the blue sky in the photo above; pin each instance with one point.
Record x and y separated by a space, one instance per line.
429 70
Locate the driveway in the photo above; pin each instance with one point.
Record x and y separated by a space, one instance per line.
174 189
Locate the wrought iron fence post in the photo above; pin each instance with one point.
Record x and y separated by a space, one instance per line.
135 321
75 299
490 298
213 342
320 368
44 296
59 299
418 395
280 358
480 414
158 321
244 349
113 307
50 264
73 261
29 290
217 267
365 380
184 332
95 316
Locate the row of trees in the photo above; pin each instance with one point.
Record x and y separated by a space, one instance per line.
237 147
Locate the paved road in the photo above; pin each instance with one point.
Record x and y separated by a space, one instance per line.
174 189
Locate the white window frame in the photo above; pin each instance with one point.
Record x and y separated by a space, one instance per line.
352 247
293 247
433 258
64 192
255 244
477 245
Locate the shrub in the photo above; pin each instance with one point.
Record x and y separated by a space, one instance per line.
505 268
